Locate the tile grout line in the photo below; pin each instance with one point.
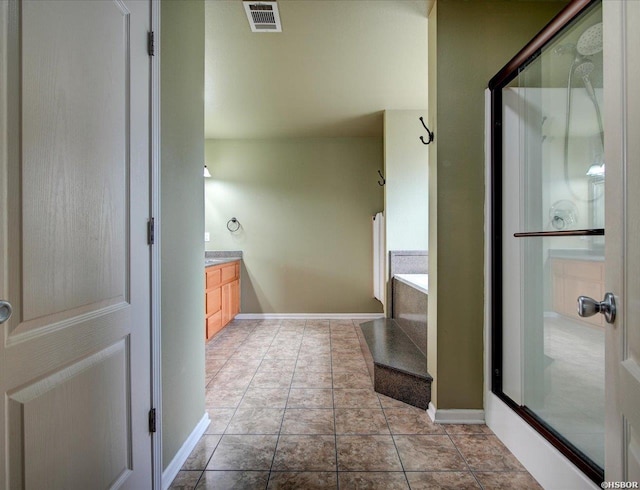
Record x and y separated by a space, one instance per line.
333 404
464 459
286 403
234 412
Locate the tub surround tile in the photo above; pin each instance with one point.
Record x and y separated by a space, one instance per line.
408 262
410 310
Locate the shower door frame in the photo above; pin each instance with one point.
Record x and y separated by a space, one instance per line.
509 72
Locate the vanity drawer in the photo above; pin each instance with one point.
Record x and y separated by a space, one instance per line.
228 273
584 269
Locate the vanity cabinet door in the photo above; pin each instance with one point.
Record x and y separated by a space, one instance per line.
573 278
222 296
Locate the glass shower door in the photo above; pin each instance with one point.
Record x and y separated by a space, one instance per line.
552 237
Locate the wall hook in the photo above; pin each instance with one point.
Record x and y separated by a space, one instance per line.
429 133
383 179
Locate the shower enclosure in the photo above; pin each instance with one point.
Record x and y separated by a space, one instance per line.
548 236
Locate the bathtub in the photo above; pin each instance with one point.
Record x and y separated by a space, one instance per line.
417 281
410 300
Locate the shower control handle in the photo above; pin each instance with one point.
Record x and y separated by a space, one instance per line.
5 311
588 307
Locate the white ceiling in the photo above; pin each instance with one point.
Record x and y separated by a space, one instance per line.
331 72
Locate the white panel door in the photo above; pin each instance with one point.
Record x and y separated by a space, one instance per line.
622 157
74 262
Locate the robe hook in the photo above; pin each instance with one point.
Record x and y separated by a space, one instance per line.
429 133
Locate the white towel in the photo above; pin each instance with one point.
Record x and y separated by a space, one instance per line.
378 257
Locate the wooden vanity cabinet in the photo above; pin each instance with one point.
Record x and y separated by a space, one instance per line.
572 278
222 296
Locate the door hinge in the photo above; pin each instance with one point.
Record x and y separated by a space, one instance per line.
151 49
151 235
152 420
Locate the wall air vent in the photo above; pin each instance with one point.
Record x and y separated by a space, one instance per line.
263 16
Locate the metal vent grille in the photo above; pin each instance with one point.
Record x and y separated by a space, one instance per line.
263 16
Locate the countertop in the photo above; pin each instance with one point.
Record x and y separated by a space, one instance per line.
212 258
577 254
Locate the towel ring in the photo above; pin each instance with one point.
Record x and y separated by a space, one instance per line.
233 225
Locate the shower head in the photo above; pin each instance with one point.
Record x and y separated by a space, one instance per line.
590 41
584 68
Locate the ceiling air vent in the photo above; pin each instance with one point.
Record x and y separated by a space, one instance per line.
263 16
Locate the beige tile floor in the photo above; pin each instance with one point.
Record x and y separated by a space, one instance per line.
292 406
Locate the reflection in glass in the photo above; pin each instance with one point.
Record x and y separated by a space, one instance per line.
553 180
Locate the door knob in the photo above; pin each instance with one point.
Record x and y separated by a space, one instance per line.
5 311
588 307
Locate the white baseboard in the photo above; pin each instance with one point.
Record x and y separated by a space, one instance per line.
455 416
309 316
172 469
545 463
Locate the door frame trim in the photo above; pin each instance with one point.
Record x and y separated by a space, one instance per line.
156 270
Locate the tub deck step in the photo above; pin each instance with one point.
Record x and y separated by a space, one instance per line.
398 368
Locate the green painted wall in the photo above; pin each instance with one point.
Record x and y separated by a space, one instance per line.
305 206
474 39
182 201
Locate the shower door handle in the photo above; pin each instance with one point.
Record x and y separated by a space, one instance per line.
588 307
5 311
